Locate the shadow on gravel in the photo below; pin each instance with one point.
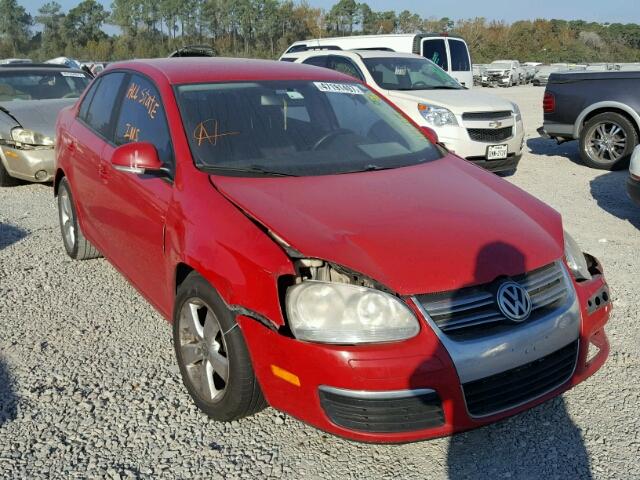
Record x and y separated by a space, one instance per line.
549 148
10 234
609 190
539 444
8 399
536 444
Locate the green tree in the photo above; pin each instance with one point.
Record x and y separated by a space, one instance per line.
51 18
84 22
14 26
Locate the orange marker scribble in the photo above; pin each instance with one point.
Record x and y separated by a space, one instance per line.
131 132
208 131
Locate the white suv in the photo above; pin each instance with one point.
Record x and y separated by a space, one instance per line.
483 128
505 73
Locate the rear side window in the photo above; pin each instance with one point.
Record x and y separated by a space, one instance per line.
98 115
436 51
344 65
142 118
459 56
319 61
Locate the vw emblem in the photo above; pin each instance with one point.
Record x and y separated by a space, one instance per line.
514 302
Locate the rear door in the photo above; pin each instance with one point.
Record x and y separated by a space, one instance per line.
90 133
460 62
137 204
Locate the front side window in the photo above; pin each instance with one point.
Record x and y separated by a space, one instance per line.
344 65
459 56
319 61
43 85
296 128
436 51
142 118
406 73
99 111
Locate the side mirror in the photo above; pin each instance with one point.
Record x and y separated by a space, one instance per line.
137 158
430 134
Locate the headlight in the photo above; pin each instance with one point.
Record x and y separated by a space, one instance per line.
516 110
341 313
575 258
437 116
30 137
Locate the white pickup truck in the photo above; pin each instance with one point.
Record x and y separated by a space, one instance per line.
483 128
504 73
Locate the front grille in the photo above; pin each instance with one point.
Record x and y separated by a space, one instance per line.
487 115
489 135
472 312
521 384
388 415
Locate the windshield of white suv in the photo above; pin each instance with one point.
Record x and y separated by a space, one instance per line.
296 128
500 66
404 73
41 85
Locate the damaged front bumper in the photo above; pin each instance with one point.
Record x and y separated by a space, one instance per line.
411 390
34 164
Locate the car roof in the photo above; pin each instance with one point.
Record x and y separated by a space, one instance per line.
33 68
351 54
185 70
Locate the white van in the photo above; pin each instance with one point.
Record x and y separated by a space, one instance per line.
449 53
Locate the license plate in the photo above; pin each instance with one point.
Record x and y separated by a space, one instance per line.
497 152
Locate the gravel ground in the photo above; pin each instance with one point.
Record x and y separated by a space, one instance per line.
89 386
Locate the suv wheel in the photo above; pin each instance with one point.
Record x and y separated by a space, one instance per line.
212 355
607 141
75 243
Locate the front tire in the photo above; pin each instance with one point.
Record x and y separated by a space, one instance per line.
212 355
6 180
607 141
75 243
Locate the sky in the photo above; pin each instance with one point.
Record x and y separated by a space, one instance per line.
612 11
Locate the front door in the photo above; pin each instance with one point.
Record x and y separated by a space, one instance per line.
137 204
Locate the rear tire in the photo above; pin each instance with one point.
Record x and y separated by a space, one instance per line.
75 243
607 141
6 180
212 355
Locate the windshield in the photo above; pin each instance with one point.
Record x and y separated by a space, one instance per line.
405 73
32 85
503 66
296 128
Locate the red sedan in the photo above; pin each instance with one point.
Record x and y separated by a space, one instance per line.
314 251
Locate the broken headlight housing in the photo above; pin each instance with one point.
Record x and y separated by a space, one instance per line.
332 309
29 137
575 259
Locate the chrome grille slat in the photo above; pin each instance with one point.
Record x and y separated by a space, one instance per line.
459 312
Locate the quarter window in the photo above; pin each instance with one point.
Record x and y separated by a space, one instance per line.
142 118
86 101
98 115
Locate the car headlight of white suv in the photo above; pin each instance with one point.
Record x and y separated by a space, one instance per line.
340 313
575 259
437 116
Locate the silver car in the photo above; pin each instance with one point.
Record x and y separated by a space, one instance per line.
30 99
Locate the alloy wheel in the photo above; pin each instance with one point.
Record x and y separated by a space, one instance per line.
67 219
606 142
203 350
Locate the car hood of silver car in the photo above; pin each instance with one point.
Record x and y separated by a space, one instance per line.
36 115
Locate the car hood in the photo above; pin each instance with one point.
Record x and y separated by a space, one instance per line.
437 226
37 115
458 101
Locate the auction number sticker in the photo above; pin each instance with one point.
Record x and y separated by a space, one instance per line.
73 74
338 88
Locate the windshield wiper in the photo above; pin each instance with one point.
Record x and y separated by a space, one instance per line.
3 109
447 87
249 169
369 168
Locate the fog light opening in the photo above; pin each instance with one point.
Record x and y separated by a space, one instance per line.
41 174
